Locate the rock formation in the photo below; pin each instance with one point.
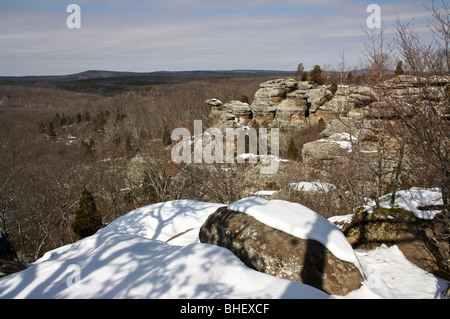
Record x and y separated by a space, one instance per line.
277 253
286 103
8 267
400 227
357 110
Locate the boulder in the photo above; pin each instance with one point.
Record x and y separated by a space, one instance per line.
278 253
397 226
332 148
240 111
214 104
10 267
362 96
318 97
271 93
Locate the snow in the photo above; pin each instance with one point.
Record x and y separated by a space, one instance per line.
113 265
263 158
164 220
299 221
312 186
154 252
130 259
341 219
265 193
412 199
344 140
391 276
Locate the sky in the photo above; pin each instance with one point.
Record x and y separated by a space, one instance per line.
184 35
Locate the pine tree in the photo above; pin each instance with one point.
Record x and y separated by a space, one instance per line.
350 78
244 99
88 220
399 68
127 149
321 125
166 136
292 151
316 76
304 76
51 130
333 87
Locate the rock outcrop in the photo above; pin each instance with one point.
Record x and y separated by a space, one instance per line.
277 253
357 110
397 226
10 267
286 103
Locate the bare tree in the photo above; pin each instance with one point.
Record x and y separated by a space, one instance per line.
440 27
377 54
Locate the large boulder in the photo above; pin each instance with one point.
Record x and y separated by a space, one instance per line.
334 147
240 111
397 226
280 254
8 267
318 96
271 93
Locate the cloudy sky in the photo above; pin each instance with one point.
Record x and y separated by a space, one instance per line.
172 35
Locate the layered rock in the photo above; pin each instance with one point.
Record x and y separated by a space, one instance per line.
285 103
278 101
280 254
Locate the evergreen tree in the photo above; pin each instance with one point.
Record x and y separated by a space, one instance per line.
88 220
51 130
333 87
399 68
292 151
316 76
244 99
304 76
350 78
321 125
128 148
166 136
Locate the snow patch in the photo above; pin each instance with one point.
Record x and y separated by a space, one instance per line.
299 221
411 200
312 186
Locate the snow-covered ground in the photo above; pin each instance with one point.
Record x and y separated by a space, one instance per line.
139 255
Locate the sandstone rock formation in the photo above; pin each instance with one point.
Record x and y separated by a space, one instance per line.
286 103
400 227
280 254
357 110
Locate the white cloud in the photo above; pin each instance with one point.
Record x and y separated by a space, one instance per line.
188 34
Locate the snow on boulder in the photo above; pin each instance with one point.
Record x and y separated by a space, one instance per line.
414 200
285 240
298 221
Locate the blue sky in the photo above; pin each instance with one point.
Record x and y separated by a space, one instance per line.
146 36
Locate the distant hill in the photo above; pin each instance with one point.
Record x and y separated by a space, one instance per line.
99 74
111 82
